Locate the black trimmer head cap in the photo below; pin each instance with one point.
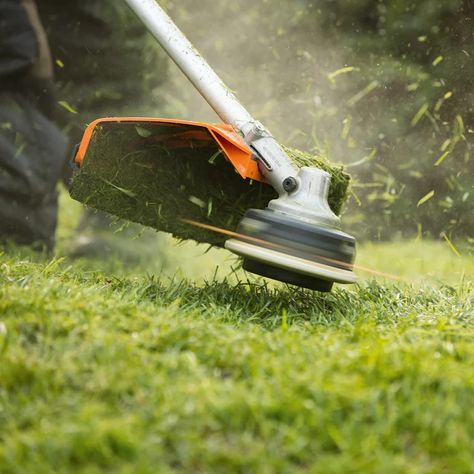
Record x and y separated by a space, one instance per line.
277 246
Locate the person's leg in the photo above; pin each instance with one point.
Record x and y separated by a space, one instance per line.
32 153
32 148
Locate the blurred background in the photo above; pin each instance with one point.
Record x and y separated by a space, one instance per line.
383 87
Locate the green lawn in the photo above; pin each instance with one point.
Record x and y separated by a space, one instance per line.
108 367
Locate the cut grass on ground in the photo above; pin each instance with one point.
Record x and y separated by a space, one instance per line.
135 375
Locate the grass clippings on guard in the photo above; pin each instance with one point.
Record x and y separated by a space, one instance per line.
128 174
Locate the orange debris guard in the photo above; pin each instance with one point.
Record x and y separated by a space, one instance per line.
183 135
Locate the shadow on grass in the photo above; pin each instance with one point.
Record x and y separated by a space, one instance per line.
247 302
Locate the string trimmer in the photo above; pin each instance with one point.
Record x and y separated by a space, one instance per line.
140 169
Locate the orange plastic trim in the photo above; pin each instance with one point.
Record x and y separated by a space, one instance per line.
230 142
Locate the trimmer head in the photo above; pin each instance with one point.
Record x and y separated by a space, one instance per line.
283 248
164 173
